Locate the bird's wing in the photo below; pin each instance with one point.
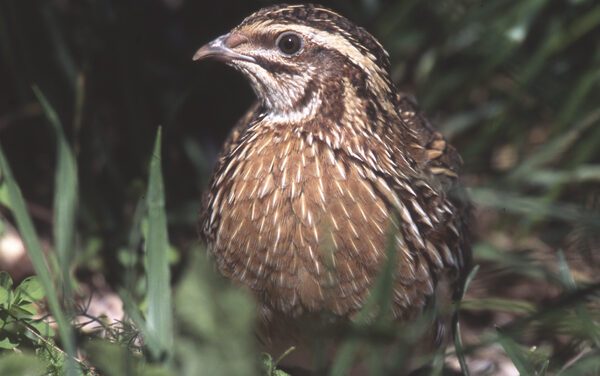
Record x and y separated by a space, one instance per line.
437 155
441 159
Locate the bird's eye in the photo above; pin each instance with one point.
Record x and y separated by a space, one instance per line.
289 43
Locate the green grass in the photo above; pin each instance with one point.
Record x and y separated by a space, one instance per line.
17 205
159 313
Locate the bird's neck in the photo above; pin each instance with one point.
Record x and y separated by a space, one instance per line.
338 116
300 112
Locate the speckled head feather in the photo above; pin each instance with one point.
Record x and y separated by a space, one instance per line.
322 18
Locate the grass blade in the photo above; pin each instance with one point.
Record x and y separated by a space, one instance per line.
131 310
585 364
460 350
65 195
583 315
34 249
159 313
533 206
554 148
458 343
544 368
515 353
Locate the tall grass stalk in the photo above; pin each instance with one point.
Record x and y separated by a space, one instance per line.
160 321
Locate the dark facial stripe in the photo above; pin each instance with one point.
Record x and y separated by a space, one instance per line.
275 67
309 92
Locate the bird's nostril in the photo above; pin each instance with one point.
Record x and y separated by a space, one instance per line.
235 39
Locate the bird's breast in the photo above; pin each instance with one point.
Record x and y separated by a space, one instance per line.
304 227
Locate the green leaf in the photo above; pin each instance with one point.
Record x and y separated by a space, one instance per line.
126 257
19 313
271 365
115 360
4 297
268 363
112 359
5 343
174 255
30 290
159 313
3 192
5 280
21 365
42 328
27 309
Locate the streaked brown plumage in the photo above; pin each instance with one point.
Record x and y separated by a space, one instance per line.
301 203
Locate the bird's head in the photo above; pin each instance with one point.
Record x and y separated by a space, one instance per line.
297 56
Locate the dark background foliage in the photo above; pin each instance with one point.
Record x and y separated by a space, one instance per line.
514 85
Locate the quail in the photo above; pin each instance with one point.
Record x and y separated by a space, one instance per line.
330 164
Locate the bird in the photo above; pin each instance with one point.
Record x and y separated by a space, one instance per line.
331 168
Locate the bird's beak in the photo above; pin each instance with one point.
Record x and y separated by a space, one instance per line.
222 49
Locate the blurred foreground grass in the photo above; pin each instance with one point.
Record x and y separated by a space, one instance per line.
514 85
